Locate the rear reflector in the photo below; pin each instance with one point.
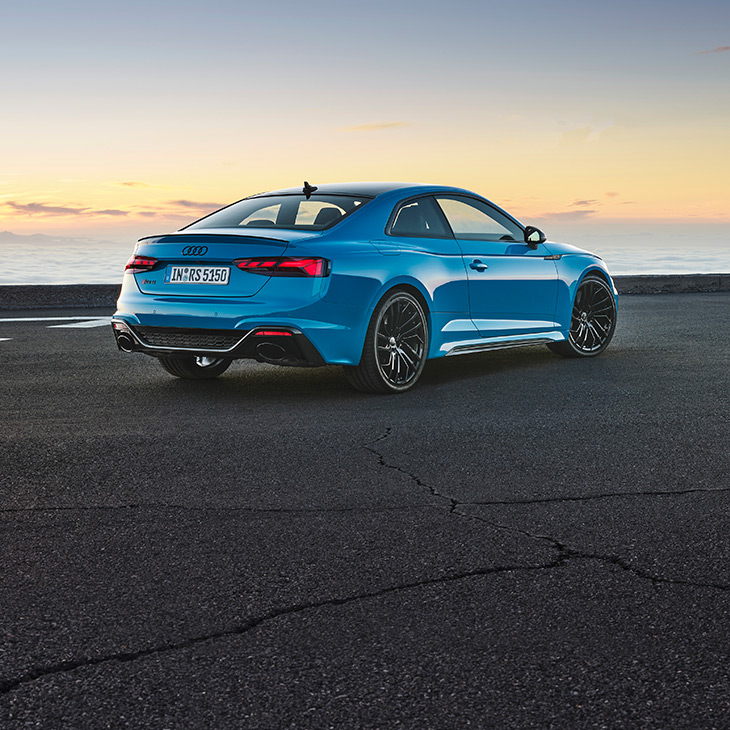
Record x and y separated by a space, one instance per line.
140 263
271 333
285 266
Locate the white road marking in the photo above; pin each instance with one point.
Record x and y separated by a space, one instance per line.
81 321
101 322
46 319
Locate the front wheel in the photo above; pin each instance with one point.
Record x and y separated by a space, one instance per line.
592 321
195 367
396 346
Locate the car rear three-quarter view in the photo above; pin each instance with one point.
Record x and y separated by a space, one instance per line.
376 277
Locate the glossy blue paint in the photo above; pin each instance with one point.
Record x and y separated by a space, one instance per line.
474 291
512 287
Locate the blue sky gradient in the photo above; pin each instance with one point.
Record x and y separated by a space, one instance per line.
532 103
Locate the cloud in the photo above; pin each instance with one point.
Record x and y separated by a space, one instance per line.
611 195
133 184
194 204
576 136
719 49
376 127
568 215
628 202
165 214
43 209
581 203
593 132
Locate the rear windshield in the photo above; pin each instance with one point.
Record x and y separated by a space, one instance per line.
284 211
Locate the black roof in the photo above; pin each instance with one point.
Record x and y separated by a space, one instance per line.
368 189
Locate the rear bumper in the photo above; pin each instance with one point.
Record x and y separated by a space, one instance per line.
335 330
276 345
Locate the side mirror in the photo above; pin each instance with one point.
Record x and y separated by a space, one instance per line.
533 236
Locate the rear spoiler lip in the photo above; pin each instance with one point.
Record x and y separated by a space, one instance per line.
212 237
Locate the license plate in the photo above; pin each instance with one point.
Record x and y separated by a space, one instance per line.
197 275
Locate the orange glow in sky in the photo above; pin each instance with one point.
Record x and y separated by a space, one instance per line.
123 121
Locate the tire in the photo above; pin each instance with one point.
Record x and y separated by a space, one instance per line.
592 321
195 367
396 346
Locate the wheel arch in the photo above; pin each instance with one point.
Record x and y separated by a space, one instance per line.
367 375
405 284
601 273
596 271
568 348
572 270
411 288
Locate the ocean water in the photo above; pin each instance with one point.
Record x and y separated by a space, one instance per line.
659 249
40 259
62 261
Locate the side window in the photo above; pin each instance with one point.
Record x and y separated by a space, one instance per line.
262 218
317 213
419 218
472 220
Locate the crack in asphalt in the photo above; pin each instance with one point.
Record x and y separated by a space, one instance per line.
606 495
7 686
565 553
381 460
539 500
569 553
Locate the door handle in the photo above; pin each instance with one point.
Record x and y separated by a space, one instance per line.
478 265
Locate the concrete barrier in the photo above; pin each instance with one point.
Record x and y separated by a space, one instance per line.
65 296
58 296
672 283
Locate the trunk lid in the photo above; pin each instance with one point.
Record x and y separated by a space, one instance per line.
211 250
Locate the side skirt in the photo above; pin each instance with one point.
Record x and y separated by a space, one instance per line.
502 343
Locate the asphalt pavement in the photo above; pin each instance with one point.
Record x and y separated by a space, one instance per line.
521 541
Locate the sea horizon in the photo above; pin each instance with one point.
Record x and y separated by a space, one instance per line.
627 250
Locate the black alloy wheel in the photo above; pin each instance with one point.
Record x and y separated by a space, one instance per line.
396 346
195 367
592 321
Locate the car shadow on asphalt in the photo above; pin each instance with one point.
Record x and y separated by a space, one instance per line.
254 381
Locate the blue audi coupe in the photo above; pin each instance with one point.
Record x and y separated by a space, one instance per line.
376 277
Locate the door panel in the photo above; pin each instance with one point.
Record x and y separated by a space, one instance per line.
516 292
512 287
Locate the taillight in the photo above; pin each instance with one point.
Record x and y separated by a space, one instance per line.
140 263
285 266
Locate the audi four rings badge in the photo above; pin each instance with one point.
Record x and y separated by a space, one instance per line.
195 251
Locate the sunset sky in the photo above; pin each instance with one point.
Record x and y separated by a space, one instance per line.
124 119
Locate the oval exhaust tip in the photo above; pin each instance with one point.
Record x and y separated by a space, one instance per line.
125 343
271 352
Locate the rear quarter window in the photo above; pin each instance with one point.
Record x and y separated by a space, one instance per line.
419 218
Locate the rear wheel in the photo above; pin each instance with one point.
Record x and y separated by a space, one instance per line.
396 346
592 322
195 367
